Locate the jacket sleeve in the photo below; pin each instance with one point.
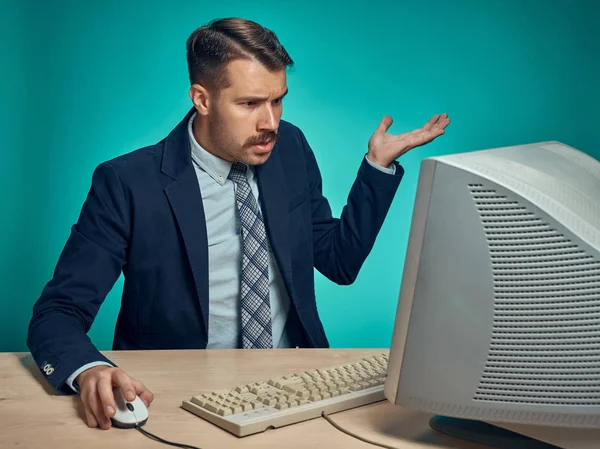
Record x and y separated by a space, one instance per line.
88 267
341 245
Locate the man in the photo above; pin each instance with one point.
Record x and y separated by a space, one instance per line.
217 228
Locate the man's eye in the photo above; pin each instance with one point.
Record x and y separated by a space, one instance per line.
277 101
249 103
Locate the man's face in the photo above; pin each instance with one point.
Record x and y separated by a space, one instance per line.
244 118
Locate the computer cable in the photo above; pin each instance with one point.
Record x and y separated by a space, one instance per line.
160 440
324 415
352 434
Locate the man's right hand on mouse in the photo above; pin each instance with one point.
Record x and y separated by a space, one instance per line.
96 392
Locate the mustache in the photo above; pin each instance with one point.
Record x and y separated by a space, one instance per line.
270 136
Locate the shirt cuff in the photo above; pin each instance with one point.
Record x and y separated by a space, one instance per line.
71 379
391 169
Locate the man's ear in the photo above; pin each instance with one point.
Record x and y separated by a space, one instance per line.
200 97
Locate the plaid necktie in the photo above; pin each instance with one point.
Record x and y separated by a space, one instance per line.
255 304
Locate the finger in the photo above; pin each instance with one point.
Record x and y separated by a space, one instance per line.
406 137
419 136
384 124
443 121
430 123
410 139
417 140
95 406
122 380
145 395
89 416
107 399
436 131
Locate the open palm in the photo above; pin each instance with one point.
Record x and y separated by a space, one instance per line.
385 147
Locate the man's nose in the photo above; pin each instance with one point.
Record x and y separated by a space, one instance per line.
269 121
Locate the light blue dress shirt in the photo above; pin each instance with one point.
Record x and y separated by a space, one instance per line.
224 255
223 229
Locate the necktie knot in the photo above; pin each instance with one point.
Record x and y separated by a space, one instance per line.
238 172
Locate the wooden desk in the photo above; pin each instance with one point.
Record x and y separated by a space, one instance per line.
33 416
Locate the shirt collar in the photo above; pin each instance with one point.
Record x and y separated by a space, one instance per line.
217 168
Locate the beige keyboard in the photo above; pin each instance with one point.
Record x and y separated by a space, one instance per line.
280 401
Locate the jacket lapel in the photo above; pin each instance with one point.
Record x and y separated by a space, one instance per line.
185 198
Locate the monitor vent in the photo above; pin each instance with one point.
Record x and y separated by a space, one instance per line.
545 345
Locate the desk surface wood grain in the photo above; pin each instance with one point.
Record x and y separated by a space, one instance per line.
32 415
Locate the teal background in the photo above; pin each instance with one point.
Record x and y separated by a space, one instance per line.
83 82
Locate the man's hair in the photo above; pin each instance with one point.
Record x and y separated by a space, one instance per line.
211 47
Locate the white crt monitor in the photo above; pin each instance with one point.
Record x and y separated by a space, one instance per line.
498 319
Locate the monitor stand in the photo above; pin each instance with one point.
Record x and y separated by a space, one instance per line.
483 433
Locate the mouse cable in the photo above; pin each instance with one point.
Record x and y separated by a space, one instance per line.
352 434
324 415
154 437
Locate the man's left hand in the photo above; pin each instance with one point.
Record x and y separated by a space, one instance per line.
385 147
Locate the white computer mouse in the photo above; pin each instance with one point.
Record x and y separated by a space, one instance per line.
129 414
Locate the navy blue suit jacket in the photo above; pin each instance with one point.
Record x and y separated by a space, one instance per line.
143 216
